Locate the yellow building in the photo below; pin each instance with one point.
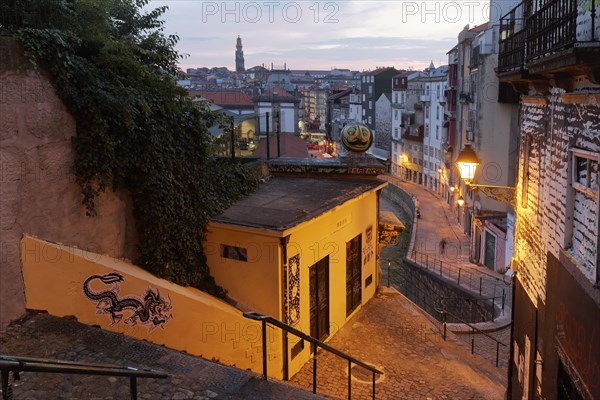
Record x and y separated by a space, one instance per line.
302 249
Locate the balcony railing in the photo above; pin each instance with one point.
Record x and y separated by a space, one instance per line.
552 28
512 39
558 25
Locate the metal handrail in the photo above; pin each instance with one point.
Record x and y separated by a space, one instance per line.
473 329
422 260
265 319
17 364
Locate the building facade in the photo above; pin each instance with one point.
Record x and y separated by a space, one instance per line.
373 85
312 269
399 92
553 63
276 111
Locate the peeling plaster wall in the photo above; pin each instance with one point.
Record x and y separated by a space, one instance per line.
38 192
551 214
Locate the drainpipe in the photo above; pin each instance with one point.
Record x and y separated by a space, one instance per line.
284 287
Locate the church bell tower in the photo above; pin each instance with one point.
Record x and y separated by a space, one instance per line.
239 56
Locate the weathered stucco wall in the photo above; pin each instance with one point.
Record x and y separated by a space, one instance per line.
38 192
120 297
551 214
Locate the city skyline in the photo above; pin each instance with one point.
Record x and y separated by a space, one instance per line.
322 35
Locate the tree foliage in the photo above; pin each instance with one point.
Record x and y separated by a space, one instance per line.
115 69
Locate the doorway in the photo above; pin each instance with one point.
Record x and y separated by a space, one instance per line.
319 299
353 274
490 251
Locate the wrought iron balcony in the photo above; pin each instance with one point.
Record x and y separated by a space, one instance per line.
545 37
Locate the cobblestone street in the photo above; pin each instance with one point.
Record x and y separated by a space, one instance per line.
395 336
45 336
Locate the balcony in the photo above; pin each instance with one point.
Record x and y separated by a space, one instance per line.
558 37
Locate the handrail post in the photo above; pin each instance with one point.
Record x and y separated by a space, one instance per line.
458 282
315 348
133 387
388 272
480 282
497 352
5 386
264 348
349 380
472 340
440 267
373 385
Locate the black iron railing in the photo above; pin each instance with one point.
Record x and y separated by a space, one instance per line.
444 313
16 364
528 33
552 28
265 319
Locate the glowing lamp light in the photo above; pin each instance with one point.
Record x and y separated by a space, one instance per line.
460 201
467 162
452 189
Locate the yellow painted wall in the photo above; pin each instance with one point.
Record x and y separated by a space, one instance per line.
201 324
257 283
327 236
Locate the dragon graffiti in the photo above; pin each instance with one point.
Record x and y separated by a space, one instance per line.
150 311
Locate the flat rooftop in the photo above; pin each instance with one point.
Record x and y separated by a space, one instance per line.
286 201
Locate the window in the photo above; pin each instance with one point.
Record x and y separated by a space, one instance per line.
437 132
585 170
396 133
364 98
426 149
426 112
396 115
370 105
369 119
234 253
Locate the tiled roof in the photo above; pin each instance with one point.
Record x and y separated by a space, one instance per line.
225 98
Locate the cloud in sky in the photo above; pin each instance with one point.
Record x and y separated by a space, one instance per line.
321 34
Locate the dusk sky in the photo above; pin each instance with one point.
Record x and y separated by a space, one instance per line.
357 35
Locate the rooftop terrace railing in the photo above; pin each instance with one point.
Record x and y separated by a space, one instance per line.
16 364
265 319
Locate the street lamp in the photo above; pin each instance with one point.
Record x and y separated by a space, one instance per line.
460 201
467 163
